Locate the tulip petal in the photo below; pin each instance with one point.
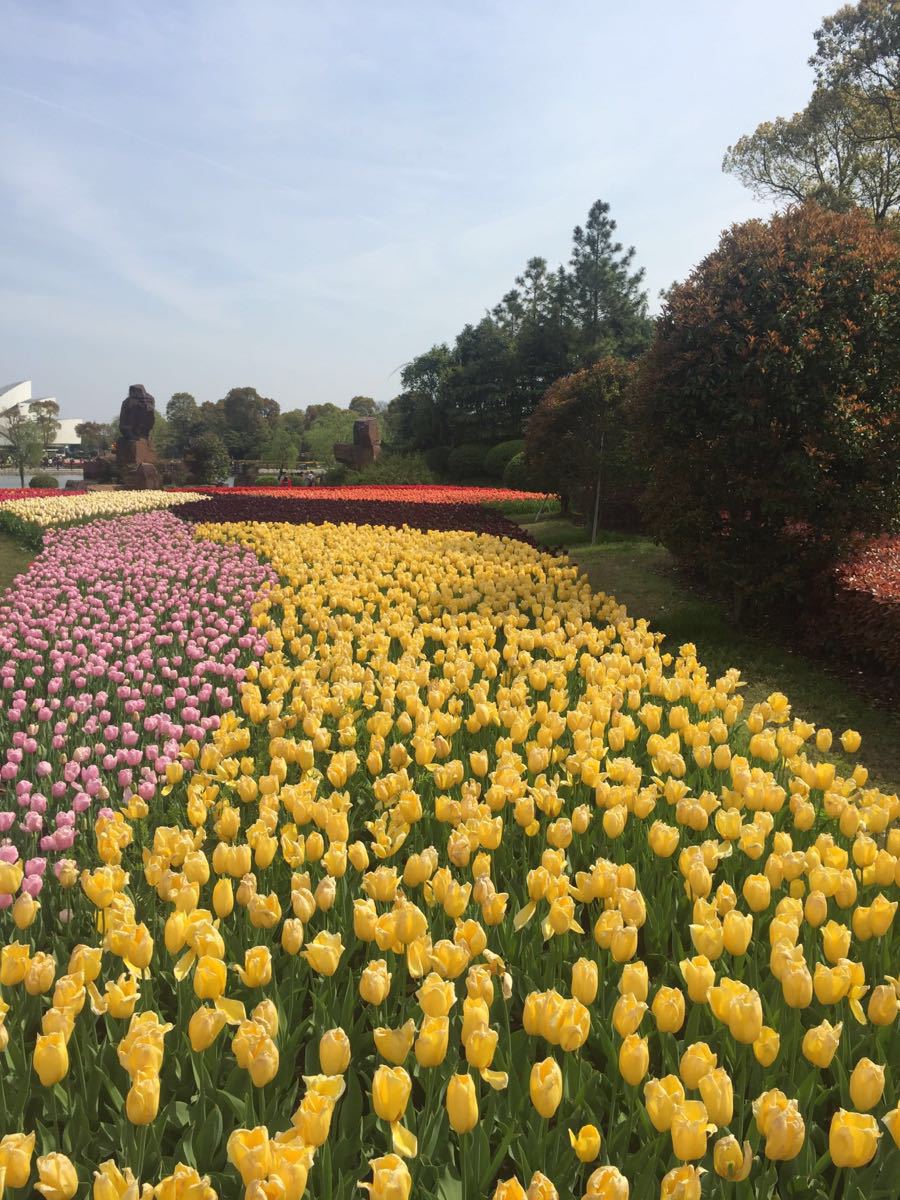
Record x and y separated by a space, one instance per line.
404 1142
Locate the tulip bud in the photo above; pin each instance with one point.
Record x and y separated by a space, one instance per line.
462 1103
634 1059
546 1087
334 1051
866 1084
51 1058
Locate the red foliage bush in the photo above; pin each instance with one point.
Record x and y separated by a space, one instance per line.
863 617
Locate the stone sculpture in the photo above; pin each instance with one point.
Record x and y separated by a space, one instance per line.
365 447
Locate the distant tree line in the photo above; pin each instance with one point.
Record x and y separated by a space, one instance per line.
483 388
243 426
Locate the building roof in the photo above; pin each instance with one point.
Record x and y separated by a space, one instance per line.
14 394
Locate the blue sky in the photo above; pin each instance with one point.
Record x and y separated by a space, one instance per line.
302 196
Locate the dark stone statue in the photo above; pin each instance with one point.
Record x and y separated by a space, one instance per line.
365 447
135 457
138 414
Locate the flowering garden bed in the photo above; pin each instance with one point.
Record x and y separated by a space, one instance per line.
338 844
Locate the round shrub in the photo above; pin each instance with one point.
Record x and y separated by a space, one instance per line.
768 406
43 479
436 457
466 462
498 456
578 433
515 473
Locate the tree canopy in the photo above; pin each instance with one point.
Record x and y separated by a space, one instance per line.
551 322
843 149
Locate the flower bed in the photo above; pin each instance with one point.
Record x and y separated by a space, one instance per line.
417 493
27 493
472 890
298 509
124 640
58 508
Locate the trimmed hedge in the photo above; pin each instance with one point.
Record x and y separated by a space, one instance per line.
466 462
498 457
43 479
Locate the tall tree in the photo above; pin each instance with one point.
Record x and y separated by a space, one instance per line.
22 435
859 48
46 415
96 437
363 406
837 151
610 309
843 149
250 420
183 417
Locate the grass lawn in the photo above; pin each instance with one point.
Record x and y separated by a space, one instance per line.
13 559
642 576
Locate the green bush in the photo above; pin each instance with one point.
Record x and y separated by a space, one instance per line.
436 457
578 434
515 474
43 479
466 462
395 469
498 456
768 406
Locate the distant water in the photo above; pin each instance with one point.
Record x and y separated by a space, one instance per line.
10 479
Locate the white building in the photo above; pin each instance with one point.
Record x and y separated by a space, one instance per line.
18 395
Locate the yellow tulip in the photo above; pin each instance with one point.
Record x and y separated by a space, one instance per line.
51 1058
395 1044
545 1087
462 1103
668 1009
257 969
891 1122
436 997
852 1139
681 1183
391 1087
391 1179
690 1127
731 1160
866 1084
634 1059
766 1046
250 1151
375 982
16 1150
204 1027
699 976
607 1183
40 974
14 960
821 1042
57 1177
661 1098
313 1118
698 1060
586 1143
432 1042
585 981
718 1096
324 952
334 1051
509 1189
292 936
210 977
883 1005
142 1101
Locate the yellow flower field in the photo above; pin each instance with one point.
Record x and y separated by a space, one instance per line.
478 894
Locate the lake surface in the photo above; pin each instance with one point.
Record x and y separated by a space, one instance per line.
10 479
